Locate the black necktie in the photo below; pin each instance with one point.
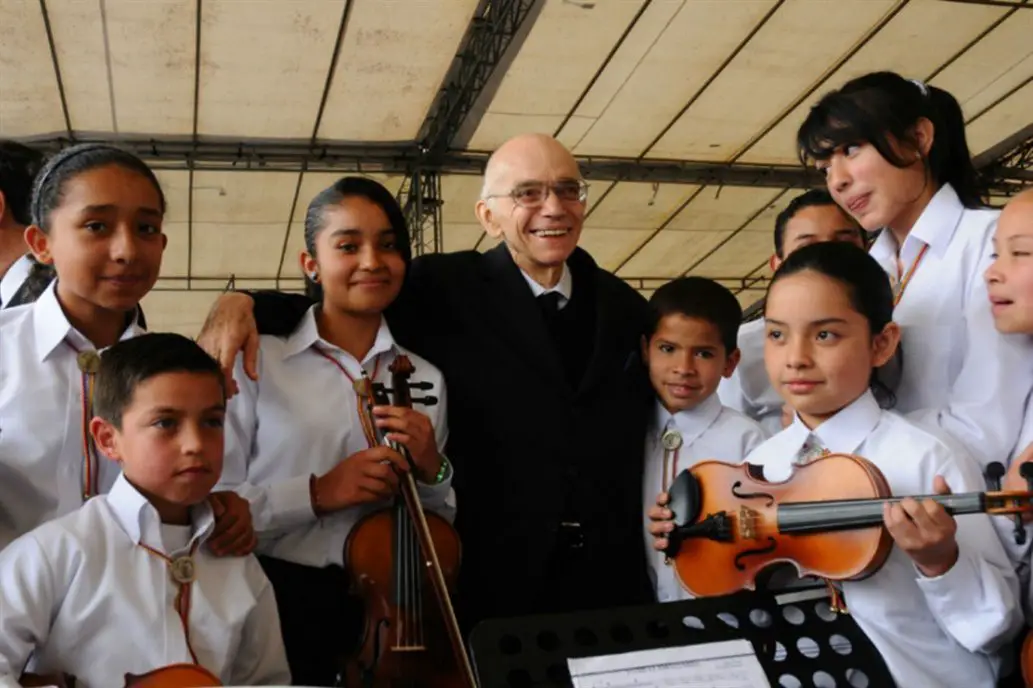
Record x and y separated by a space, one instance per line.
550 303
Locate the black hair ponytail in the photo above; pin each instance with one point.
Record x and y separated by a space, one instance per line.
882 108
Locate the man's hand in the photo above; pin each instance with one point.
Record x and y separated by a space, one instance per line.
925 531
413 430
234 534
230 327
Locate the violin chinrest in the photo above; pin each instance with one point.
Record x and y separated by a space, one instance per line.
685 500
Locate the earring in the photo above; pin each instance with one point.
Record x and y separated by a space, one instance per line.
313 276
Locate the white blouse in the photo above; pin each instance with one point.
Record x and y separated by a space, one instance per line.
302 418
959 374
944 631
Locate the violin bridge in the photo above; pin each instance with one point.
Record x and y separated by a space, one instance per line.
747 523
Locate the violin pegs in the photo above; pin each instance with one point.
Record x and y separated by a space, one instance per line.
421 385
994 473
426 401
1026 471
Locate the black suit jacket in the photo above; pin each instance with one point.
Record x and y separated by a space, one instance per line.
527 448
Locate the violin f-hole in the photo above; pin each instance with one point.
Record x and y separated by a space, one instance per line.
751 495
752 552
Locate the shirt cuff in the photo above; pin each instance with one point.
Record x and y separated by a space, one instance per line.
290 502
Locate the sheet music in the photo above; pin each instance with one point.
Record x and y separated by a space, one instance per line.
728 664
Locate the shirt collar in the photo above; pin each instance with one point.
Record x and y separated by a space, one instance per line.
844 432
52 326
935 226
565 287
13 278
690 423
306 335
140 521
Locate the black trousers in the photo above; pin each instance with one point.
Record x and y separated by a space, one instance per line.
320 620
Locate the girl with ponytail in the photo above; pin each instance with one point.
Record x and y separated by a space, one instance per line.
895 156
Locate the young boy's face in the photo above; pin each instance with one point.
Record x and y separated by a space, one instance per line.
686 361
171 441
1010 277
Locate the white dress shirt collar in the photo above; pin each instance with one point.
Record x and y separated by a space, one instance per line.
691 423
844 432
935 227
13 278
52 326
306 335
565 287
140 521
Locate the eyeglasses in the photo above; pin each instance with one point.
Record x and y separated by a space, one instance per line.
534 194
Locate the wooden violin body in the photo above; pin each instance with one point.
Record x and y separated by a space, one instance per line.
404 635
733 526
174 676
404 562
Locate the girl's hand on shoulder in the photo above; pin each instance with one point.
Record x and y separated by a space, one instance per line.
925 531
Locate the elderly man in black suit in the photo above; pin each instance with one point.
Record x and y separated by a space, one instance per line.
548 400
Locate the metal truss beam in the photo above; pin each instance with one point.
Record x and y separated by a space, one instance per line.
420 198
489 36
404 158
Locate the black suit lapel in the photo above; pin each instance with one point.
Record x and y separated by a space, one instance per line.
514 314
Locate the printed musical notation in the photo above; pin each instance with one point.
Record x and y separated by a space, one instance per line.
729 664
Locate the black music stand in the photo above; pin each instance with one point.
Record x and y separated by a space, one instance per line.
799 642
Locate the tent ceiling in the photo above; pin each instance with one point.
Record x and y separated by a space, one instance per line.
706 81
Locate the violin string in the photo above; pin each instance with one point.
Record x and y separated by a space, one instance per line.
418 570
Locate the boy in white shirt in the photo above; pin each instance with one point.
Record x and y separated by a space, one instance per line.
126 584
689 347
810 218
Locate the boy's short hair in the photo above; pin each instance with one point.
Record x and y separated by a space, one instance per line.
808 199
18 167
698 297
130 363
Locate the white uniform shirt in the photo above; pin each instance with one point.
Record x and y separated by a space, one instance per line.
749 390
943 631
12 279
301 419
959 373
82 596
709 431
42 466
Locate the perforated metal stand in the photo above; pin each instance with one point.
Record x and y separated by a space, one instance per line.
799 641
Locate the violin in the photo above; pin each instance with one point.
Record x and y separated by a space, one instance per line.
825 519
394 557
174 676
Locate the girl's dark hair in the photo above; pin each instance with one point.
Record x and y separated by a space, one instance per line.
73 161
346 187
867 287
883 107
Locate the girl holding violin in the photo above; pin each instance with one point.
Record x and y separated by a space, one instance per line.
944 602
303 447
